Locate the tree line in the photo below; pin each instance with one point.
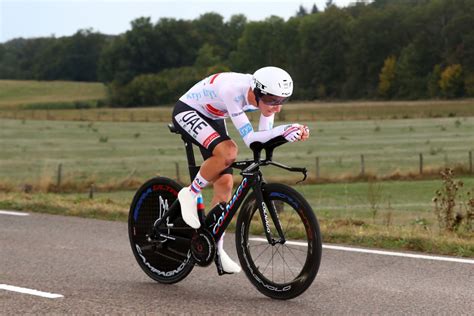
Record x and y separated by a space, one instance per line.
386 49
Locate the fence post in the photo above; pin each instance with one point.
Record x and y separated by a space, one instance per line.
470 161
60 175
362 165
177 171
91 191
317 168
421 163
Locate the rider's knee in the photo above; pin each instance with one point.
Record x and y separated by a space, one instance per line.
227 151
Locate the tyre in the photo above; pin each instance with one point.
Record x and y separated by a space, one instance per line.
171 261
280 271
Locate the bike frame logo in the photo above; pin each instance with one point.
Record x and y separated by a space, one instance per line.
229 206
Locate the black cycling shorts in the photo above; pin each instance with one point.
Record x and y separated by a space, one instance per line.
202 131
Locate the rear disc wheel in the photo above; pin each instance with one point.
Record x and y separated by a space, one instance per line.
163 260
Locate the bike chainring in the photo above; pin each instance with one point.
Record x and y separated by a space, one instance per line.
203 247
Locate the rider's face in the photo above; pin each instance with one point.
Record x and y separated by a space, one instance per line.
268 110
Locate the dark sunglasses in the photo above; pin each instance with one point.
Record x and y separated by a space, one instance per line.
273 100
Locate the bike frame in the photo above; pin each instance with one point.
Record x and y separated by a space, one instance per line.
220 216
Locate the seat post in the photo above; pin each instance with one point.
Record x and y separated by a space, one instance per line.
193 169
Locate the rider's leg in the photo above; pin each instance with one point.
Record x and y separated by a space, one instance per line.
222 189
222 193
223 155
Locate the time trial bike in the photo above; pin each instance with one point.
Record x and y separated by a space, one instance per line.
277 233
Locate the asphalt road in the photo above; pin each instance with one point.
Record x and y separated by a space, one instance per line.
90 263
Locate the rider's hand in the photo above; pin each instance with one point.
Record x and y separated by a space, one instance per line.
304 132
293 132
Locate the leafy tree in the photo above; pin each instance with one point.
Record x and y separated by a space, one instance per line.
387 77
80 55
433 83
262 43
301 12
148 48
373 35
329 3
324 39
207 56
452 81
314 9
233 32
469 84
211 30
411 81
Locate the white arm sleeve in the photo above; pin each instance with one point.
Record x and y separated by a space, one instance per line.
249 136
266 122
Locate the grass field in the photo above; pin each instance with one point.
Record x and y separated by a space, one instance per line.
15 94
105 152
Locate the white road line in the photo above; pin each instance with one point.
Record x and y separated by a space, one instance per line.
28 291
379 252
13 213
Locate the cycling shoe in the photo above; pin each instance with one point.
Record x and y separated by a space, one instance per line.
189 208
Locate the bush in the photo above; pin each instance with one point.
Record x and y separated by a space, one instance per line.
163 88
146 90
445 202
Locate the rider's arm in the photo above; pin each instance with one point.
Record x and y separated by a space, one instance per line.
247 133
291 131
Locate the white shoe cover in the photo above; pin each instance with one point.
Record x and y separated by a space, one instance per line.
189 208
228 265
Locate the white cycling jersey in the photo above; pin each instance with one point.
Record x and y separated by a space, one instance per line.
224 95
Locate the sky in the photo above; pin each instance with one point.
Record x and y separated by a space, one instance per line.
39 18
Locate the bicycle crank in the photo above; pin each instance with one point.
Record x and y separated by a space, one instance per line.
203 248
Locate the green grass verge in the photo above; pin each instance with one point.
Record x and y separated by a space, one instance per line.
15 94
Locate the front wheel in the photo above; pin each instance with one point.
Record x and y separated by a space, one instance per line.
280 271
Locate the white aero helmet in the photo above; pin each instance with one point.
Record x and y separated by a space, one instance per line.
272 85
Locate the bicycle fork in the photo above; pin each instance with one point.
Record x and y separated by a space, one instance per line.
265 208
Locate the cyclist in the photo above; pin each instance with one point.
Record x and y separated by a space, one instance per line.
200 116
